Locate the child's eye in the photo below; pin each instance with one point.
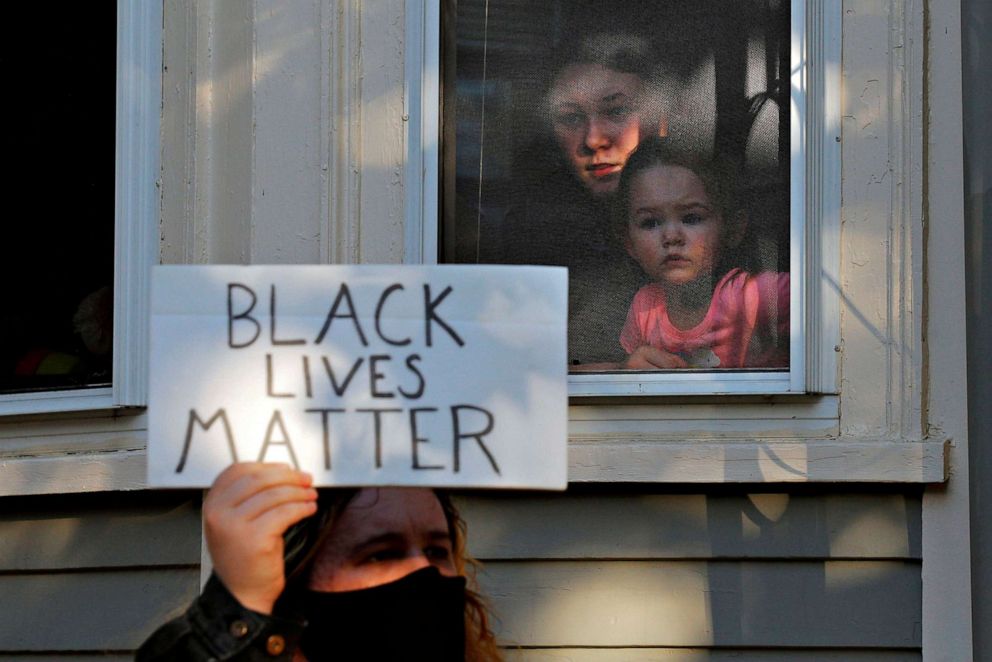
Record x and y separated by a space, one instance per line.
648 223
692 219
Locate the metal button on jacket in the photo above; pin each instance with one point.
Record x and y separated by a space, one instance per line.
238 629
275 645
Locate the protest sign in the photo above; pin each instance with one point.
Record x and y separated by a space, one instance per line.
362 375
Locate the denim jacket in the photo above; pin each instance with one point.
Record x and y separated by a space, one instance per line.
217 627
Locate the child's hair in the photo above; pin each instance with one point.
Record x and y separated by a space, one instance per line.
721 179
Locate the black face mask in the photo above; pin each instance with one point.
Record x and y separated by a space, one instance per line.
418 617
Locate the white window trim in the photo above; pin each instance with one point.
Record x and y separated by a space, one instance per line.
815 209
139 94
422 72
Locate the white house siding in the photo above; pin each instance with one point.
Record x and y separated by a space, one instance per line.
596 574
649 575
90 576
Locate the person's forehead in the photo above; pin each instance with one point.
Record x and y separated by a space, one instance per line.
668 181
374 511
592 83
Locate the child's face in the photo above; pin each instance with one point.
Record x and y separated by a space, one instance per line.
673 230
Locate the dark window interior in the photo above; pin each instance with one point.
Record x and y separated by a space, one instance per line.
58 257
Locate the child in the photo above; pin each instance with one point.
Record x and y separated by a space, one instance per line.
680 221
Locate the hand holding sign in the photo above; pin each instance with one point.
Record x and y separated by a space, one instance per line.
362 375
244 516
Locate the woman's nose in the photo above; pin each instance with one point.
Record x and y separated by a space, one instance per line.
598 135
412 563
419 562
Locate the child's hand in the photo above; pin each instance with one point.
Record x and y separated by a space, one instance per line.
245 514
646 357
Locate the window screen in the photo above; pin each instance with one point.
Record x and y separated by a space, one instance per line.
643 145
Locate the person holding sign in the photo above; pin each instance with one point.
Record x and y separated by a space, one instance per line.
343 574
355 373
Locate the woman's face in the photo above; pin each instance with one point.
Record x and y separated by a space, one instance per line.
382 535
596 122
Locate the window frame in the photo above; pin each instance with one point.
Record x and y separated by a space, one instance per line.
136 205
814 218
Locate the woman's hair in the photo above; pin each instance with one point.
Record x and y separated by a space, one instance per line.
623 52
303 541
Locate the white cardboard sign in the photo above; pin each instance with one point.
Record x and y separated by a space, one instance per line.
362 375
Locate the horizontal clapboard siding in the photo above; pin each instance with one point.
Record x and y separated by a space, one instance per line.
589 575
628 526
104 536
739 604
89 577
811 575
701 655
91 610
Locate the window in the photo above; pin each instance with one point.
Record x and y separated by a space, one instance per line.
84 165
57 323
699 262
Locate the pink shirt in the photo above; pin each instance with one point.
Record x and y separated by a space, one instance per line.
746 326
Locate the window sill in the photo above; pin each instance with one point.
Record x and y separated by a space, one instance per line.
638 460
600 461
680 383
68 452
46 402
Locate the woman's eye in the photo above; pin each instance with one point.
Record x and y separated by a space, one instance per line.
617 113
569 119
438 553
383 555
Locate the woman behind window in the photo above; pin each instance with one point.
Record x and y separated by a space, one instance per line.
599 104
